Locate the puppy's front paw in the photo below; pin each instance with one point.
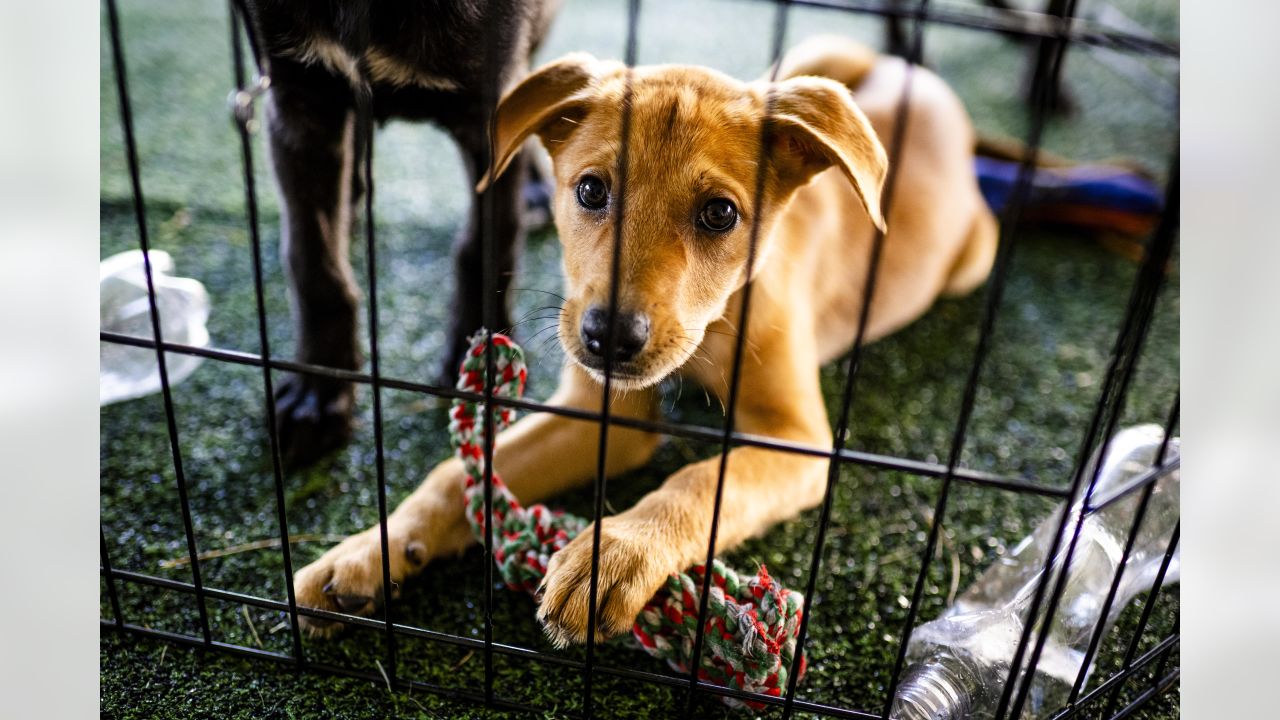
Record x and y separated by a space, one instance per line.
348 578
632 569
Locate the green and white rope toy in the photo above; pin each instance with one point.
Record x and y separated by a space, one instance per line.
752 622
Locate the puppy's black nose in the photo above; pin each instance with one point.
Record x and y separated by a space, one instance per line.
632 332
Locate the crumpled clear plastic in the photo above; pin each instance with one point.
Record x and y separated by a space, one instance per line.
126 372
961 661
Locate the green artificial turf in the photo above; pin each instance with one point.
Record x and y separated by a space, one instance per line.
1059 318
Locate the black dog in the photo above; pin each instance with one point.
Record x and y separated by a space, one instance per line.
437 60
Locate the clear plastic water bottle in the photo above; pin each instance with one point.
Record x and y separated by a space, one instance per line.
960 661
124 371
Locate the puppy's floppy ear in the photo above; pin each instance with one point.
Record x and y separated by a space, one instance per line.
815 124
549 102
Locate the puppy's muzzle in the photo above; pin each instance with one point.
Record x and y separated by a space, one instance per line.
631 333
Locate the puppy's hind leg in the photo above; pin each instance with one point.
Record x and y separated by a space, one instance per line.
311 129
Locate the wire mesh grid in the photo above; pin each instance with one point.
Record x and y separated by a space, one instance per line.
1054 32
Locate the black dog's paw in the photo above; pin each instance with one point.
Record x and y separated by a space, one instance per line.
1059 100
313 417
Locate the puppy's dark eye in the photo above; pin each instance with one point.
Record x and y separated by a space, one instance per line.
718 215
592 192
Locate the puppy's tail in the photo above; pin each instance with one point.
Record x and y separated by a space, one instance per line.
831 56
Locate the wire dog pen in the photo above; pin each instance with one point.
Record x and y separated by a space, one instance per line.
1053 33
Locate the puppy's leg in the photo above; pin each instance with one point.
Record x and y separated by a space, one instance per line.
311 128
538 456
503 203
668 530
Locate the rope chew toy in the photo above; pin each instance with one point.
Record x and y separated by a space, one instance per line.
752 622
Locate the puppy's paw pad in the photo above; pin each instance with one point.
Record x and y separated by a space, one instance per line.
630 571
346 579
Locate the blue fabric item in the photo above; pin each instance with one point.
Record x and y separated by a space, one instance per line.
1087 185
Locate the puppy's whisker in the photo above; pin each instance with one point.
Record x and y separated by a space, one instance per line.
750 346
526 316
716 332
563 299
513 326
538 353
531 316
554 338
700 355
694 349
550 326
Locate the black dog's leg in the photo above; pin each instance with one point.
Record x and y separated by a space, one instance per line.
1045 72
896 35
1058 99
312 130
505 230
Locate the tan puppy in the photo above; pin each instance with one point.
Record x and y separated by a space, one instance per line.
690 203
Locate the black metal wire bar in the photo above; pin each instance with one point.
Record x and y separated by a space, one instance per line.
1044 67
1152 596
112 596
1117 369
995 294
462 694
1113 683
1022 23
625 673
140 216
1128 345
680 430
618 197
268 604
1138 517
1149 477
1165 654
691 432
353 620
728 692
191 640
855 356
1147 608
735 376
236 12
432 635
1158 688
1139 313
489 314
1045 27
327 668
519 652
365 121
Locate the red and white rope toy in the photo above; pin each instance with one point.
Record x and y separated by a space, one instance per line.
752 622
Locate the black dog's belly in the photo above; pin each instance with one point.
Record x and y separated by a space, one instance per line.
413 51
